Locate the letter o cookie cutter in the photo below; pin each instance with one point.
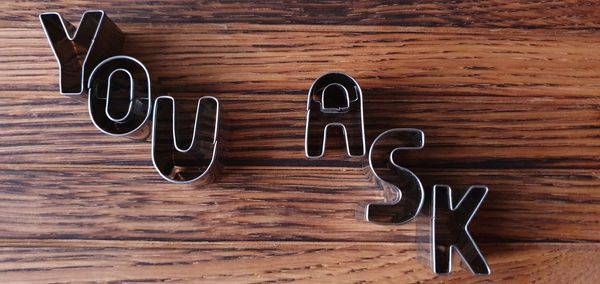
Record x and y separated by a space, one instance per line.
107 83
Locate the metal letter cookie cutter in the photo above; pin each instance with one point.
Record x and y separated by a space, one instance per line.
198 161
334 100
449 229
79 50
120 97
401 185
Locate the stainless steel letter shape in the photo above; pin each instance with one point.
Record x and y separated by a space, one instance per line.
198 161
401 185
79 50
449 229
334 100
120 97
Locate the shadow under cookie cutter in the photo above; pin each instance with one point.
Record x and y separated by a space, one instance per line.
449 231
79 50
197 162
334 100
401 186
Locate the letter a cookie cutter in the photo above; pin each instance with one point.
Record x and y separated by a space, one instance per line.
79 50
334 100
197 162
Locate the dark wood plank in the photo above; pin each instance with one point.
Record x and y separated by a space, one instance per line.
260 262
263 59
480 92
461 133
554 14
107 200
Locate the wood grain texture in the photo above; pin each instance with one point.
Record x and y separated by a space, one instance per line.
505 91
260 262
539 14
116 201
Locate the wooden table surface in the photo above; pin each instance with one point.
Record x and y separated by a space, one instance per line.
507 93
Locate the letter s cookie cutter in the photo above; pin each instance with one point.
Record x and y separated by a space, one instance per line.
399 183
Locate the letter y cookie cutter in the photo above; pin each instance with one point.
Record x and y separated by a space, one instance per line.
79 50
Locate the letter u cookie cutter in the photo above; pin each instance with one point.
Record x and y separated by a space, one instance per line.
198 161
334 100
